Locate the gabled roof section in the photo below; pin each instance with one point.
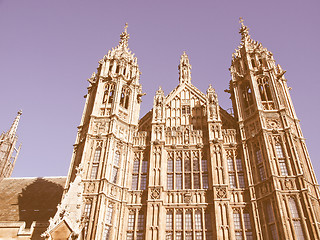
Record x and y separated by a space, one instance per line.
188 86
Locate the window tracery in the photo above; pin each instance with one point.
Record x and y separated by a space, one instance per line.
259 162
125 97
296 218
242 224
95 163
186 171
116 166
186 223
271 220
139 173
108 96
247 98
235 172
265 93
108 222
135 225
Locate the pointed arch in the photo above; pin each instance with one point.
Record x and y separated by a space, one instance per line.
108 96
265 93
125 97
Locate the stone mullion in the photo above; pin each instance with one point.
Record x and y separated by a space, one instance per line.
236 95
311 231
279 212
290 222
251 187
294 154
311 215
257 231
274 165
288 154
267 157
288 98
99 216
275 92
121 231
308 162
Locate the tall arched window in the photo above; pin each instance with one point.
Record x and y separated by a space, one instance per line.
281 159
108 93
116 165
108 222
247 98
186 170
265 93
95 163
125 97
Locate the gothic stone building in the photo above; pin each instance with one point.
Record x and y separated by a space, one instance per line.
188 169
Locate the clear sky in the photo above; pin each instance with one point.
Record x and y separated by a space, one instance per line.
48 49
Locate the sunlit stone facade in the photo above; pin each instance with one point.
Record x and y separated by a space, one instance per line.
188 169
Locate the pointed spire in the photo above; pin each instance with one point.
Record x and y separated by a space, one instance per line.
124 37
244 31
184 69
14 126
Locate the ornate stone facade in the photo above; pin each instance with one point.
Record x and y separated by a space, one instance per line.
188 169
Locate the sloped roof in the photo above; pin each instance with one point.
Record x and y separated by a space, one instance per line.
30 199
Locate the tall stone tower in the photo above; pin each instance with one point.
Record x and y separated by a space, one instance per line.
282 188
99 173
188 169
8 150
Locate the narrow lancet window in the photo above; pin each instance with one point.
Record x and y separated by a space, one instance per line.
108 93
125 97
265 93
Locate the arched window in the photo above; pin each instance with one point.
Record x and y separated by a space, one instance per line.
111 66
265 93
116 165
108 222
95 163
247 98
108 93
281 159
125 97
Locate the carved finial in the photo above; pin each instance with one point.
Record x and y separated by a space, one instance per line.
14 126
124 37
241 21
244 30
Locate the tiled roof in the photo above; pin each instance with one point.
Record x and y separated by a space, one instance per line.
30 199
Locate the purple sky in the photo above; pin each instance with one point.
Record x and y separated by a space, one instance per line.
48 49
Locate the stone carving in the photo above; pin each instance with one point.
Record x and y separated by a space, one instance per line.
273 124
90 187
155 193
213 104
100 127
221 192
158 103
187 198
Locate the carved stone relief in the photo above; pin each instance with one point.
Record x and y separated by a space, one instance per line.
155 193
221 192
